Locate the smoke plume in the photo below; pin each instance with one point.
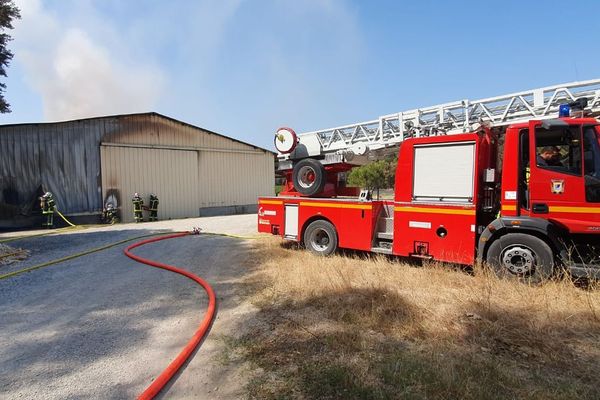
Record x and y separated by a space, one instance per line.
76 75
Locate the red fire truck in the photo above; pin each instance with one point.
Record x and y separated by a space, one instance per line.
512 180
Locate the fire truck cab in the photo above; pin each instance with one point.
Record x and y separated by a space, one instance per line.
550 207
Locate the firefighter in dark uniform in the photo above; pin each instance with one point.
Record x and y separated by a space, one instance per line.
47 205
138 203
153 208
109 214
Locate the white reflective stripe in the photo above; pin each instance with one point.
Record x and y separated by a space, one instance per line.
419 224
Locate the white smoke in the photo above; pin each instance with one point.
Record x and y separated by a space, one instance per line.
77 76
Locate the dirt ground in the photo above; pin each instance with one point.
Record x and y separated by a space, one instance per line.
103 326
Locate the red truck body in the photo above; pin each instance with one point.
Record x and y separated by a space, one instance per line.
457 195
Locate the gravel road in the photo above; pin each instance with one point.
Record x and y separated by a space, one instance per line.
103 326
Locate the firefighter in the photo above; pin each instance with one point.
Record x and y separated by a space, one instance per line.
153 208
109 214
549 156
138 203
47 205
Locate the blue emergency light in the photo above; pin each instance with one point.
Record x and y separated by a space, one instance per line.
564 111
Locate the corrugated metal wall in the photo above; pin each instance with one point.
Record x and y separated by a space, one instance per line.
64 158
190 167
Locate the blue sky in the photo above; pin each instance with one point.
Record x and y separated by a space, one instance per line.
244 68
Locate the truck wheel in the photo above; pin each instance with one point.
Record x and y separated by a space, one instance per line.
521 256
321 238
308 177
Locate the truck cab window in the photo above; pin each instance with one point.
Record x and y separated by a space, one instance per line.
591 164
559 149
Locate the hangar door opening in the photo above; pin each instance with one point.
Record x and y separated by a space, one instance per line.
171 174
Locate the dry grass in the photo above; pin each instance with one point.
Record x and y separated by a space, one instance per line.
352 326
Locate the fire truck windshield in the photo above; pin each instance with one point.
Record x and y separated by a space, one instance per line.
591 163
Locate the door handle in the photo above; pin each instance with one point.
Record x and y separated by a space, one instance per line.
540 208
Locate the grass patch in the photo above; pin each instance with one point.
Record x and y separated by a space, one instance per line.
355 326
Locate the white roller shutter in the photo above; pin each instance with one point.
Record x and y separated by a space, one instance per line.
444 172
170 174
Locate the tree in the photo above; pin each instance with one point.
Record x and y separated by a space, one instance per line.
8 13
376 175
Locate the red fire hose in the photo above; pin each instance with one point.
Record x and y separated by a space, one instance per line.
200 333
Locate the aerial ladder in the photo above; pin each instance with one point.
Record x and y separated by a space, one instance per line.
314 163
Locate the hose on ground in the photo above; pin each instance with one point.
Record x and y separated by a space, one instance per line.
64 218
161 381
71 226
200 231
12 239
72 256
86 252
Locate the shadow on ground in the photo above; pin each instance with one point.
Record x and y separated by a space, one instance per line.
372 343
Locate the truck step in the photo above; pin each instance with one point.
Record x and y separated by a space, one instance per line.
385 235
381 250
385 224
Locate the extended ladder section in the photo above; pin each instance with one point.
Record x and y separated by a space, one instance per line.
445 119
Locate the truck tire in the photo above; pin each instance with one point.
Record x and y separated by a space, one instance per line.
308 177
521 256
321 238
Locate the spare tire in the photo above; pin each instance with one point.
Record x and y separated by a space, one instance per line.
308 177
